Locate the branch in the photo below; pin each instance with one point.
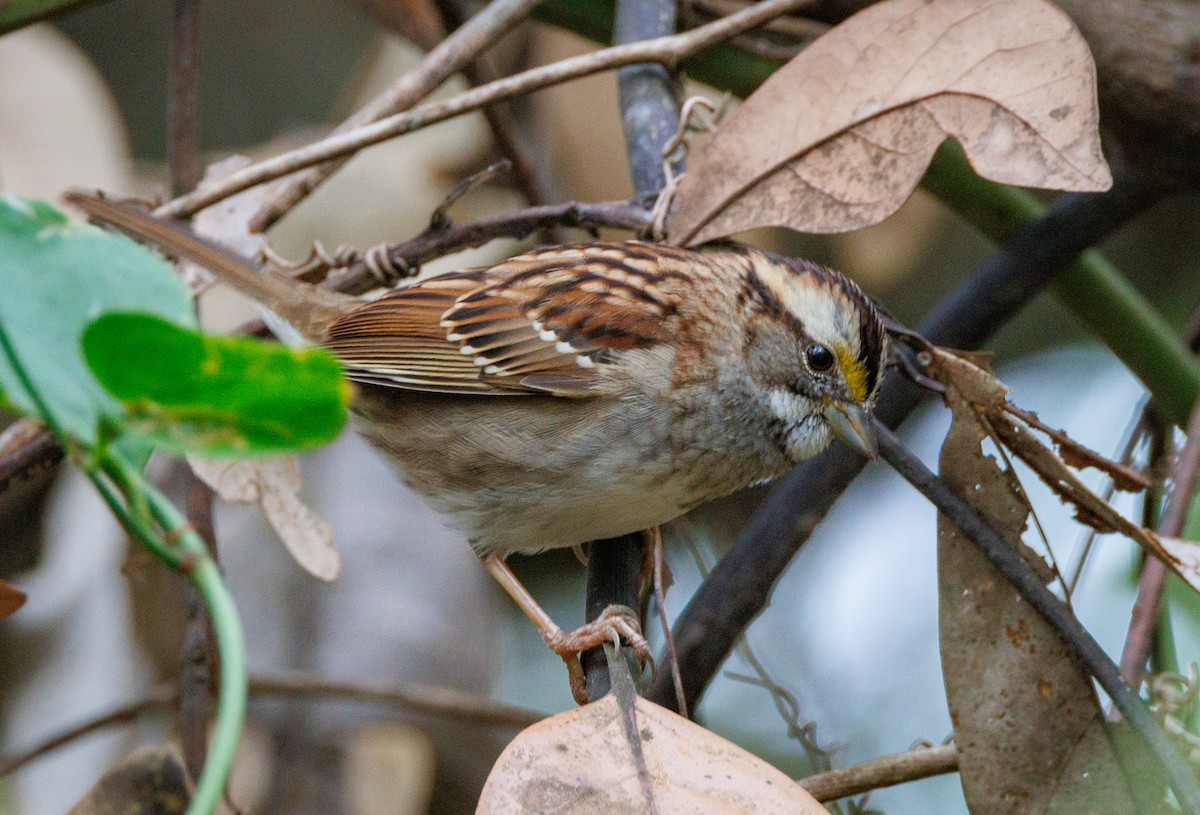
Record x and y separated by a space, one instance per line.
183 113
446 703
1154 573
446 59
163 697
887 771
435 242
515 136
667 51
649 109
1058 615
742 581
650 117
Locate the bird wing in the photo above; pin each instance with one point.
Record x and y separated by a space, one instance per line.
546 322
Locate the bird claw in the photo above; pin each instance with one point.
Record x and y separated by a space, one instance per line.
614 624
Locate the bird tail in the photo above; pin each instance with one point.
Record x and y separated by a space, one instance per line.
308 309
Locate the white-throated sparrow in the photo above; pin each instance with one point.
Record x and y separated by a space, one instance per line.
582 392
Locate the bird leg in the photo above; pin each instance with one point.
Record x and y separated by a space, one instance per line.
613 623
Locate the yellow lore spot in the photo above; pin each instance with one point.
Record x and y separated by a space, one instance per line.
855 373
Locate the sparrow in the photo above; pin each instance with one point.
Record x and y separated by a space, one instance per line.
580 392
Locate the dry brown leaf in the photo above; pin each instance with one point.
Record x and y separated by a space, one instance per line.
1027 724
595 761
1075 455
982 391
838 138
274 484
11 599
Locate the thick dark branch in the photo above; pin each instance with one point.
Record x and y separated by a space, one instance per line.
650 117
1008 562
649 110
742 581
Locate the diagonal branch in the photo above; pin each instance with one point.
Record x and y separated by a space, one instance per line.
667 51
446 59
1008 562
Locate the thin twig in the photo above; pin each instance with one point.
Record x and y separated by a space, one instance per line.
1133 436
785 701
445 60
431 700
667 51
886 771
196 657
183 158
513 134
163 697
357 277
1154 572
660 600
1012 566
446 703
797 29
1145 618
183 113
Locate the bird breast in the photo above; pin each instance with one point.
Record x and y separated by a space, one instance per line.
532 473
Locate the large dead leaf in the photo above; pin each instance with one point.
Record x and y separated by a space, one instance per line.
609 759
838 138
274 484
1029 730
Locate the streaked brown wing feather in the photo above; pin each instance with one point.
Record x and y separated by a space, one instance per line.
545 322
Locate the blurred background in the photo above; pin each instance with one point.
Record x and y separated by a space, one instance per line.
851 631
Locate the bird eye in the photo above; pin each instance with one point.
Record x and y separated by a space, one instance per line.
820 358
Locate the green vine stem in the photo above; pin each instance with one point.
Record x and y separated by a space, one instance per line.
180 548
199 566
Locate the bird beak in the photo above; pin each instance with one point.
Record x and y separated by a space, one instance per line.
852 424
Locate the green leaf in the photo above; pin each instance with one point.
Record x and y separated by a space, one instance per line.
56 277
221 396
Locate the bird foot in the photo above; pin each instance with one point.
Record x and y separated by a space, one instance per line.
614 624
